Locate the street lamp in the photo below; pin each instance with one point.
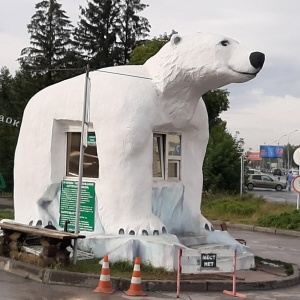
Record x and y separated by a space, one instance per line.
288 148
281 138
278 159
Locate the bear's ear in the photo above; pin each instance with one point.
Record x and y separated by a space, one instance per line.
175 39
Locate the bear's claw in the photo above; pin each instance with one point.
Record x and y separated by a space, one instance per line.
144 231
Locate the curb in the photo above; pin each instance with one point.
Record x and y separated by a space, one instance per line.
216 223
49 276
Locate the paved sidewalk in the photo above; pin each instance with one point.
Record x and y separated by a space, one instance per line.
6 203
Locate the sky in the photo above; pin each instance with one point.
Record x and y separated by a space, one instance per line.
265 110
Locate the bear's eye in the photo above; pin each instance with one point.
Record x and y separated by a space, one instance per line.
225 43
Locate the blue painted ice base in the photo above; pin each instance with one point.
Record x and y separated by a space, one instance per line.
162 251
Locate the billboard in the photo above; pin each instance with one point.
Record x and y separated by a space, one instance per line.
253 156
268 151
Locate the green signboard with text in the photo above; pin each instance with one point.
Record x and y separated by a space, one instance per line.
208 260
68 200
91 139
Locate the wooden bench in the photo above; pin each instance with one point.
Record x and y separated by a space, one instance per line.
39 231
54 242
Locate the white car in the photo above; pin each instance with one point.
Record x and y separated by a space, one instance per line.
295 172
253 171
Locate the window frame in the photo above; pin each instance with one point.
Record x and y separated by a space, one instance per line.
68 131
161 155
166 158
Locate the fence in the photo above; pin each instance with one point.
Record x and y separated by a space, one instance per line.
195 261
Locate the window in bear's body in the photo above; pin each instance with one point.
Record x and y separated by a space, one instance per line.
91 162
166 156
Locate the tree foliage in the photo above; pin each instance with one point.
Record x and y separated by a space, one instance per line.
108 31
50 37
221 169
132 27
8 134
216 102
148 48
95 34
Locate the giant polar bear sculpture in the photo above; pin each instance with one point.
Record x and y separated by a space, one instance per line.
163 95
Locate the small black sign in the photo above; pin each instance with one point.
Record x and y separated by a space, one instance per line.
208 260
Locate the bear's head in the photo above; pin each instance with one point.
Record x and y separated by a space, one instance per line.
203 60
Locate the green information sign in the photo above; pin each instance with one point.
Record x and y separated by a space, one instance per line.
91 139
208 260
68 200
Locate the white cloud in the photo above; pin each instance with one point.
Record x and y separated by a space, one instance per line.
266 121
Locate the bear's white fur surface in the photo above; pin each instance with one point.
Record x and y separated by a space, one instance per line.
163 95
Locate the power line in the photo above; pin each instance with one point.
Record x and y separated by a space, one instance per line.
97 70
122 74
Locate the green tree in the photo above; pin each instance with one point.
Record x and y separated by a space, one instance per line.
50 37
216 101
14 95
108 30
8 133
148 48
221 168
95 34
131 27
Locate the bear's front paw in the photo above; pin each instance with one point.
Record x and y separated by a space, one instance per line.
147 226
144 231
40 223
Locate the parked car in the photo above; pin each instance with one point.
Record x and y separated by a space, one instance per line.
253 171
283 171
264 181
295 172
277 172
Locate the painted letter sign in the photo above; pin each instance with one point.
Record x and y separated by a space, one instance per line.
68 199
208 260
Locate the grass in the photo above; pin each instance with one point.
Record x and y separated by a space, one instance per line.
6 214
250 210
287 266
121 269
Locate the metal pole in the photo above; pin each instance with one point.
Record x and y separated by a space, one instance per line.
81 158
179 271
242 175
288 165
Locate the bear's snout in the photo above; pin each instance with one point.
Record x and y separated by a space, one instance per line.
257 59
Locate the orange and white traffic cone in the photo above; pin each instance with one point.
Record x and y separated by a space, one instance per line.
104 285
135 288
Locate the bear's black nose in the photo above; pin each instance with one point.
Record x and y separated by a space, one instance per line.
257 59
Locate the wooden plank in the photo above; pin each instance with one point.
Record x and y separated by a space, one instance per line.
40 231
